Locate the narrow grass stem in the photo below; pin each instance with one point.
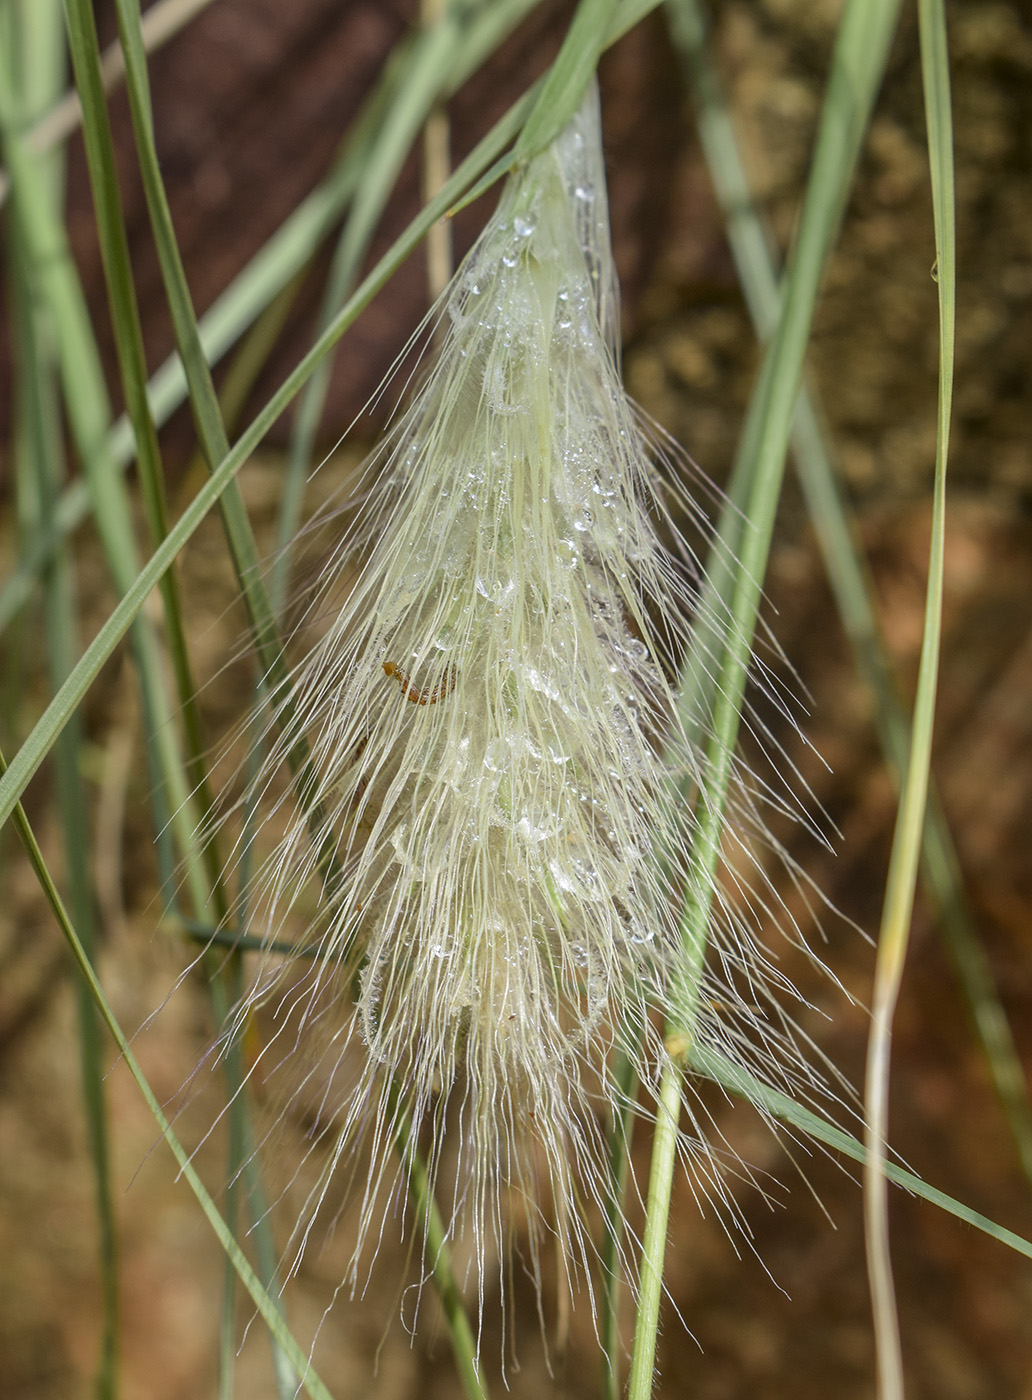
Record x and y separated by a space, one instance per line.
132 363
625 1080
435 167
55 282
432 1229
857 66
203 399
39 468
903 863
650 1291
564 85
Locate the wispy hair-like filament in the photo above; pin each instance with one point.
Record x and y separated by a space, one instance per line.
490 865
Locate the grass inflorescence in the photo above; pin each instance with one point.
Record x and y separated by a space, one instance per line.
490 861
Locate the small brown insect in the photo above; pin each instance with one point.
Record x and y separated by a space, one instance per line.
429 695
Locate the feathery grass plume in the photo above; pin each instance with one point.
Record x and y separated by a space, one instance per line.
496 847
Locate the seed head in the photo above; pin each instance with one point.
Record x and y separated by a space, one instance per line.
498 828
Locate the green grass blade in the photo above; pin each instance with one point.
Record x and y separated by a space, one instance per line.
893 937
755 258
266 1306
568 78
857 65
755 480
739 1081
76 826
203 399
132 363
53 272
56 284
53 275
39 471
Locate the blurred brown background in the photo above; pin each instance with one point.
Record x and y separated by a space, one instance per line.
251 102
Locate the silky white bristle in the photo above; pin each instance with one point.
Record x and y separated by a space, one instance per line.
500 823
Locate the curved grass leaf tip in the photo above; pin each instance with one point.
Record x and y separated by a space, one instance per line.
491 861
